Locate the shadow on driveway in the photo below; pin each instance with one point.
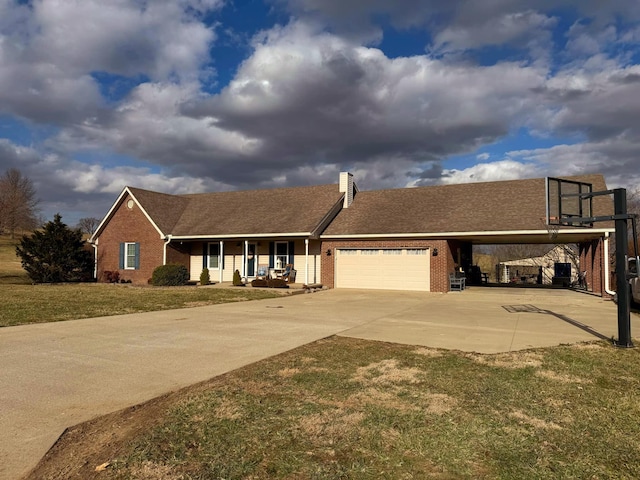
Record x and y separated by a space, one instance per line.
533 309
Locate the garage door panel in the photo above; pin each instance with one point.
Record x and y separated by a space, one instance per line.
406 269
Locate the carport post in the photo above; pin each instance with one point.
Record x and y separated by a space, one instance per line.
622 286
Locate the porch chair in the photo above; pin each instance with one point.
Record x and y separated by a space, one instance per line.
456 283
263 272
288 274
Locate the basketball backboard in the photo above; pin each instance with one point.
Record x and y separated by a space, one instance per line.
566 203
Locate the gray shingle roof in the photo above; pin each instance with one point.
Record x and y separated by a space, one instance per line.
513 205
474 207
250 212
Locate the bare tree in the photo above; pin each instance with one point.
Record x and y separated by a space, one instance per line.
18 202
88 224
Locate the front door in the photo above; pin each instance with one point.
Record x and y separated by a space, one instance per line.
251 259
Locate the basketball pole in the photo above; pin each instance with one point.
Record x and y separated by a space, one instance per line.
624 301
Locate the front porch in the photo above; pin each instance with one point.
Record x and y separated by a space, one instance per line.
251 257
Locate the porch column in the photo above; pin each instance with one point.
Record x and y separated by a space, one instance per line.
245 263
221 261
306 261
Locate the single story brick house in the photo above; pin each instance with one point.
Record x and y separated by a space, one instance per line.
404 239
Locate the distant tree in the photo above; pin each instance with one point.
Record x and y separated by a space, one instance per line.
18 202
633 206
508 252
88 224
56 254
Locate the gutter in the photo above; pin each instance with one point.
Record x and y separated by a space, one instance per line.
606 266
95 260
239 236
462 234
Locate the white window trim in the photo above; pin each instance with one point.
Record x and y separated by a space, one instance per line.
276 255
127 256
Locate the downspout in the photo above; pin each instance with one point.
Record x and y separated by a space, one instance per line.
95 261
606 265
164 250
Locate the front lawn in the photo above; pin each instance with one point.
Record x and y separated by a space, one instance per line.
22 304
354 409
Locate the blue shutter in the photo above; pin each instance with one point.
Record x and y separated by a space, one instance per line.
205 254
121 260
137 256
272 254
291 244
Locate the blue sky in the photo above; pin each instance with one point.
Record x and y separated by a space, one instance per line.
186 96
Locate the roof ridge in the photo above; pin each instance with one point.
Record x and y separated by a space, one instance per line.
272 189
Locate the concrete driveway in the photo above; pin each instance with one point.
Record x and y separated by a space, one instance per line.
60 374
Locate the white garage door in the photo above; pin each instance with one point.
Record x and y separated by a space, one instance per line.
383 269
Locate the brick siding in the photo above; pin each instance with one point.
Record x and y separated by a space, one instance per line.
130 225
592 262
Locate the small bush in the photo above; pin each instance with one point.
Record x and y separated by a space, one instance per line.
170 276
111 276
237 281
205 279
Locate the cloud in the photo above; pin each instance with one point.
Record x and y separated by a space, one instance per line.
486 172
458 25
49 50
601 103
616 157
149 125
67 185
522 29
311 97
315 96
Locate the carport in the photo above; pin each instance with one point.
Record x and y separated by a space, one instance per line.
369 243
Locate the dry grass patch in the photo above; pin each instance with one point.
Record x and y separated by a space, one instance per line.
388 399
509 360
153 471
428 352
440 403
534 422
288 372
329 426
386 372
559 377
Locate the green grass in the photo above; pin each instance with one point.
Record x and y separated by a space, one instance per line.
11 271
22 304
353 409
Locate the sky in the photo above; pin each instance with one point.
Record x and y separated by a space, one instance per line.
189 96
